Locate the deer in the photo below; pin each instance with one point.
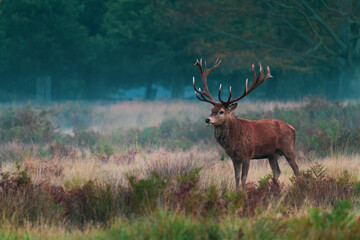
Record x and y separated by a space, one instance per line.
244 140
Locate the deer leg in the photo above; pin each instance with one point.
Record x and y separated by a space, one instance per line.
273 160
237 165
244 172
290 157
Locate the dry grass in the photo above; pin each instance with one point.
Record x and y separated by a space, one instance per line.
81 167
71 169
45 231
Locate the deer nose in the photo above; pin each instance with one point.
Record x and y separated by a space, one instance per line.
207 120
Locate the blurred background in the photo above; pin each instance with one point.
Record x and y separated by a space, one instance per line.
53 50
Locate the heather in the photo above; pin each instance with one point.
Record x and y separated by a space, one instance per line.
64 175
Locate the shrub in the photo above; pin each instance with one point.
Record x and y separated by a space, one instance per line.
144 194
21 200
317 189
104 152
85 137
187 193
74 115
127 157
100 203
150 136
26 124
258 197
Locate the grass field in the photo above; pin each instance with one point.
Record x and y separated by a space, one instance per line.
152 170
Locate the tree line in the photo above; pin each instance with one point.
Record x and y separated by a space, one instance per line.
91 48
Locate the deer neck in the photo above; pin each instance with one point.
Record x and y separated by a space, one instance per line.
223 132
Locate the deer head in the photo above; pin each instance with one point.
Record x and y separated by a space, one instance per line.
222 110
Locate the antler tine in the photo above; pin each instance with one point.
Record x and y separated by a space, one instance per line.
203 74
229 95
222 101
201 94
219 95
253 71
205 94
199 65
268 74
257 81
216 64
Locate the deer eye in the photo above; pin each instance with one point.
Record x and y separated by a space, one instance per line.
221 112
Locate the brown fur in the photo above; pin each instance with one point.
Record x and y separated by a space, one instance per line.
244 140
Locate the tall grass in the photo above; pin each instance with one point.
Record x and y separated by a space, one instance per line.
167 178
178 207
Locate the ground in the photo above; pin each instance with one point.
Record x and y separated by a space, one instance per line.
128 183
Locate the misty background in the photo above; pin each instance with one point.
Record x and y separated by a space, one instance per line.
53 50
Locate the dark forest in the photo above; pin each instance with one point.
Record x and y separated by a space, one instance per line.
97 49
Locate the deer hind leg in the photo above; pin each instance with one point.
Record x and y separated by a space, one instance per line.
290 157
237 165
244 172
273 160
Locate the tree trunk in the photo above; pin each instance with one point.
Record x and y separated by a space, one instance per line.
177 89
150 93
354 77
43 89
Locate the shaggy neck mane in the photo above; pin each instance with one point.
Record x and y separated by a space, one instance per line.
223 132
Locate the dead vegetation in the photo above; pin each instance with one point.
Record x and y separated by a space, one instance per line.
99 181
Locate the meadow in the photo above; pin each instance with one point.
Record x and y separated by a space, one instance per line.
152 170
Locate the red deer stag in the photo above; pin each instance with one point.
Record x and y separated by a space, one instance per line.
242 139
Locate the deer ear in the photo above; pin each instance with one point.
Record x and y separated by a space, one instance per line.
232 107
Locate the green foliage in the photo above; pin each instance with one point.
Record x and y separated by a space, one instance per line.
338 218
26 124
319 189
44 151
104 152
191 178
87 46
264 180
21 200
168 225
156 207
171 134
323 128
149 136
84 137
357 188
49 34
236 200
93 202
145 193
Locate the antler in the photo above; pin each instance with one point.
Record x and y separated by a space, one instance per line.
205 95
257 81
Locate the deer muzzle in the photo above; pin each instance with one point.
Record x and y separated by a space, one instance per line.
208 121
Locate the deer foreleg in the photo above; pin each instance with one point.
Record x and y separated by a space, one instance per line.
237 166
244 172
